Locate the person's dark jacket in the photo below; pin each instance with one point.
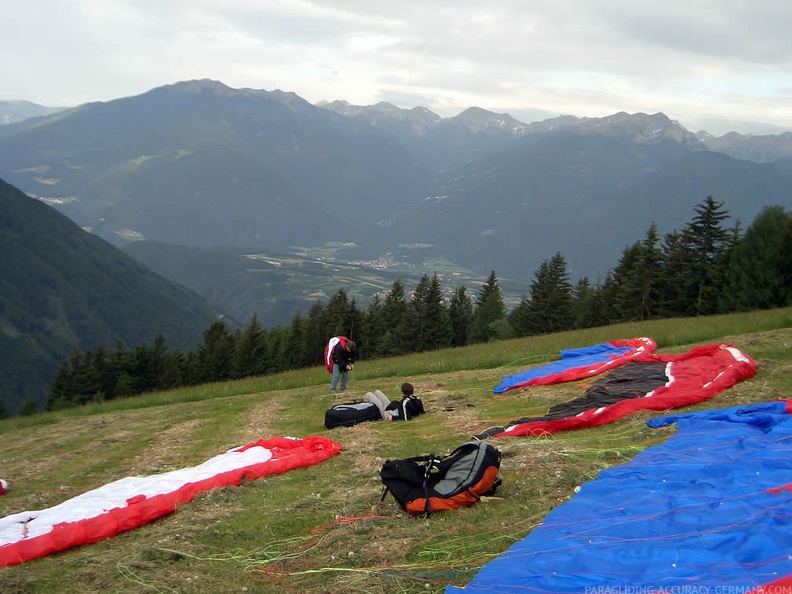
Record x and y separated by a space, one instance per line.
409 407
343 357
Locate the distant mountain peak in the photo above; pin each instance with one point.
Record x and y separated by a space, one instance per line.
12 112
198 86
479 120
417 119
761 148
219 89
641 128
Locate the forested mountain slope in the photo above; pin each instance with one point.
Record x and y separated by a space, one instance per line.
62 288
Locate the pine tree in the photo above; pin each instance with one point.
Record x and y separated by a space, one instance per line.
297 356
430 320
460 311
677 293
62 392
316 335
588 304
490 286
337 315
144 365
786 263
639 276
172 374
397 339
87 381
355 317
755 276
550 306
373 328
708 242
520 318
213 359
250 351
418 316
278 349
489 308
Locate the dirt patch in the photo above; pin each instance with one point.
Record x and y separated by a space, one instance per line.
166 451
259 421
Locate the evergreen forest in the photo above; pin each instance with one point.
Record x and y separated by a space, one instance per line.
703 269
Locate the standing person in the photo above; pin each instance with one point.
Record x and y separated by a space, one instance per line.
343 356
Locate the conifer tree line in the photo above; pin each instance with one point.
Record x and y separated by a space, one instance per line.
703 269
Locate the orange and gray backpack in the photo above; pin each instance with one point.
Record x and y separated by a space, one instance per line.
328 351
427 484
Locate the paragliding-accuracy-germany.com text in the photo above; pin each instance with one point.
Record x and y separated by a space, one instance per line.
689 589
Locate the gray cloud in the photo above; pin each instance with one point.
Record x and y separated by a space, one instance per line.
695 61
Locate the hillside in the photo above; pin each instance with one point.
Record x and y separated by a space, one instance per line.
63 289
323 529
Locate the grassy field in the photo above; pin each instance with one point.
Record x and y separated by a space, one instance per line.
323 528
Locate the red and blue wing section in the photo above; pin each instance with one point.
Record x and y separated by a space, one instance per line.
579 363
647 381
134 501
707 510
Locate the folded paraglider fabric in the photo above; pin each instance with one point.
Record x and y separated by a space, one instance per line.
134 501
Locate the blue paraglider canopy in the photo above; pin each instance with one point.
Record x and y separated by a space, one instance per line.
579 363
707 508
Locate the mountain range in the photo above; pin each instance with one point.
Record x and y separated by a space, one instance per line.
200 164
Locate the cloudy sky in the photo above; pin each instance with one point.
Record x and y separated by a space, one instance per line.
710 64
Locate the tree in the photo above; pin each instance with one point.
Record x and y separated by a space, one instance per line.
707 241
144 365
489 308
397 337
316 335
755 275
355 317
28 407
675 293
490 286
550 306
589 304
374 327
460 312
278 347
63 387
786 262
250 351
172 373
430 320
639 276
338 321
213 359
520 318
297 354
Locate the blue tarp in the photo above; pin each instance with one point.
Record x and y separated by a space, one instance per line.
706 508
